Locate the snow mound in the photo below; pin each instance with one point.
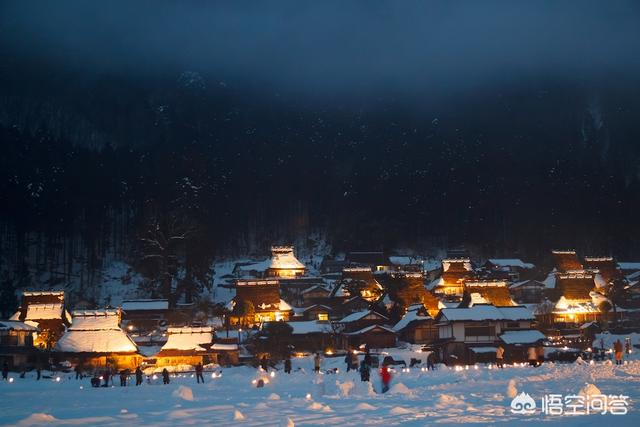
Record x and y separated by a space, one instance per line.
448 400
608 362
287 422
365 407
184 393
399 410
580 361
512 391
262 405
238 416
315 406
273 396
37 418
589 390
327 408
400 389
345 387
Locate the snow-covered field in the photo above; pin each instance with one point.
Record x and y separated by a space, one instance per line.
446 396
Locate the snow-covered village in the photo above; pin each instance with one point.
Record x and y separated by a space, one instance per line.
319 213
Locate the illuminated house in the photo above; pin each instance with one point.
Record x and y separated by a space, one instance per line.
264 298
494 292
605 268
576 299
357 281
46 311
417 326
284 263
16 344
96 339
454 273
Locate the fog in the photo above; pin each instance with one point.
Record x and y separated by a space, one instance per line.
333 48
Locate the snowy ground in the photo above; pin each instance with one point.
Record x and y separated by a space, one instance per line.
417 398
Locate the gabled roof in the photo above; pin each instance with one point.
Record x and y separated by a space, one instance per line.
411 316
282 257
189 338
37 312
493 292
316 288
95 331
575 285
10 325
527 283
566 260
481 312
353 317
310 327
369 329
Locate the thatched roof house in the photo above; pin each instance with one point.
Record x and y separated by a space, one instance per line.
493 292
45 310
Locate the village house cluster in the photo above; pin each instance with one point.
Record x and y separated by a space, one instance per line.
457 309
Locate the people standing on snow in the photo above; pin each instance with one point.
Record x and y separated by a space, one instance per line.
540 354
165 376
627 345
500 357
38 373
532 356
138 376
105 377
354 360
78 371
347 360
365 369
5 371
316 363
123 378
617 348
264 363
385 377
287 365
431 361
199 375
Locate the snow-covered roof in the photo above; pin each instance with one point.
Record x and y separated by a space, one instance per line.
282 257
528 336
43 293
360 315
550 281
188 338
10 325
484 349
524 282
95 331
511 262
44 311
309 327
224 347
466 263
370 328
482 312
409 316
145 304
629 265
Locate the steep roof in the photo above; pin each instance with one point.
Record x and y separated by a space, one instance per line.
575 285
95 331
353 317
145 304
566 260
606 266
189 338
371 328
494 292
410 317
37 312
10 325
282 257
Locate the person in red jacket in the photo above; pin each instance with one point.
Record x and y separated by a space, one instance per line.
385 376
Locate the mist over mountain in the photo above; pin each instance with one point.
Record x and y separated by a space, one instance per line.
507 127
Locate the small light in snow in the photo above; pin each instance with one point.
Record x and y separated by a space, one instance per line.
254 381
589 349
81 387
100 377
272 374
155 377
57 379
475 367
308 396
10 380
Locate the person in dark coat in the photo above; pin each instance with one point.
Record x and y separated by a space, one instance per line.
5 371
38 373
287 365
138 376
199 375
365 370
105 377
264 363
316 363
78 371
165 376
347 360
431 361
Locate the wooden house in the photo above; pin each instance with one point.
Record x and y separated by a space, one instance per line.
515 269
527 291
417 326
284 263
16 344
314 335
96 339
45 310
145 315
455 271
187 346
264 296
374 336
362 319
516 343
467 334
566 260
315 294
358 281
605 267
317 312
